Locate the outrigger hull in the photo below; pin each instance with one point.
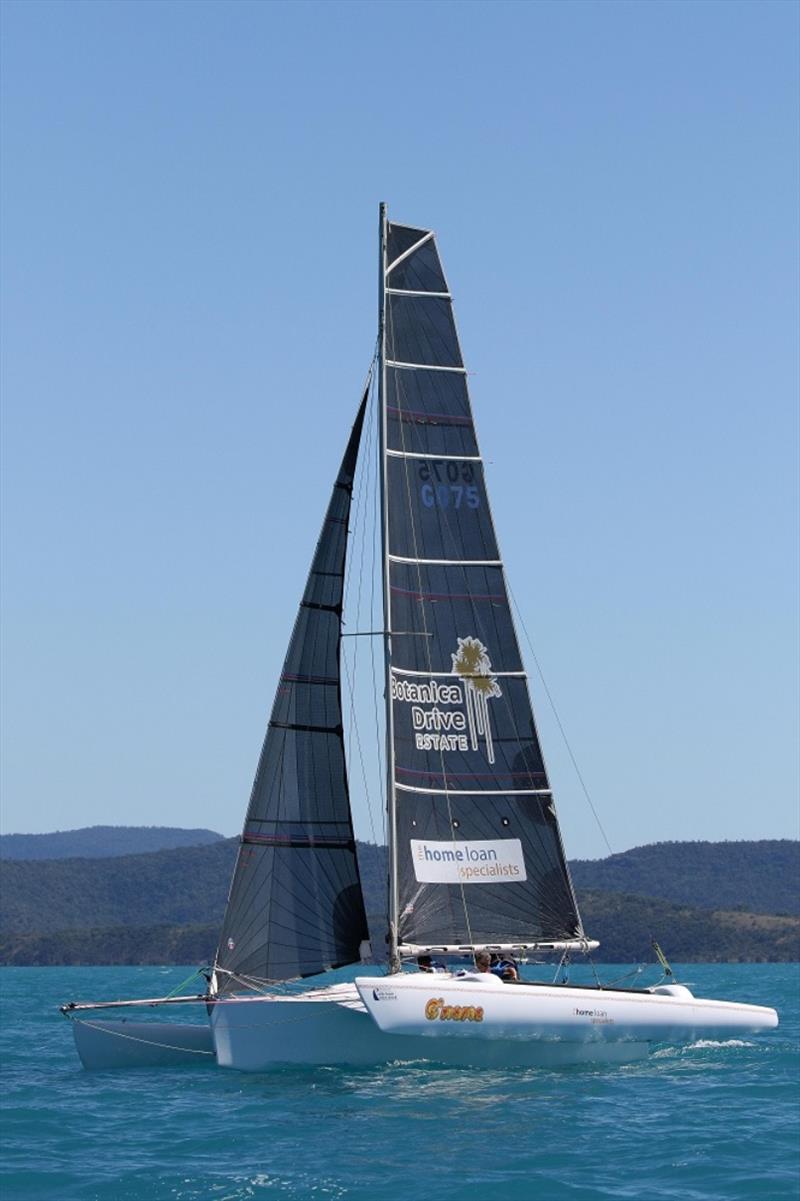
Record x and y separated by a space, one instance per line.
104 1043
478 1008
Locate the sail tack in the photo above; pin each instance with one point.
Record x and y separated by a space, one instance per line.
295 906
477 846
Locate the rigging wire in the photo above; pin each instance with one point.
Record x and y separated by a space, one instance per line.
354 729
365 503
562 731
548 694
350 569
373 620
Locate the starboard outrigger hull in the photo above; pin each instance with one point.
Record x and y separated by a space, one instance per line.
480 1007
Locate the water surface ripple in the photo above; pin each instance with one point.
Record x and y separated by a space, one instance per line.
709 1122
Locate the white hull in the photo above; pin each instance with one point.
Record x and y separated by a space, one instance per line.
120 1043
259 1033
382 1020
477 1008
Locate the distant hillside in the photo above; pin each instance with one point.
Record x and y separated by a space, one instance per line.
761 877
623 924
113 945
189 884
101 842
166 906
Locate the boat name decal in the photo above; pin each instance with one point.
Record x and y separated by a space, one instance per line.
436 1008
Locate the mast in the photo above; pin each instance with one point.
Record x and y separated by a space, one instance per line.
394 958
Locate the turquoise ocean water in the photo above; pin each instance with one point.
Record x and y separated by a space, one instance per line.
709 1121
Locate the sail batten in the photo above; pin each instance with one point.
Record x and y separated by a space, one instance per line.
295 906
411 292
430 673
474 791
407 366
447 562
415 454
476 850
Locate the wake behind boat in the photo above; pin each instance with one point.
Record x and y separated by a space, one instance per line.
476 861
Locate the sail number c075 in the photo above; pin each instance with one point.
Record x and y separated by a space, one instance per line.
448 483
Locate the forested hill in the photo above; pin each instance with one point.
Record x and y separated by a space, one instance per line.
187 884
101 842
136 888
761 877
703 900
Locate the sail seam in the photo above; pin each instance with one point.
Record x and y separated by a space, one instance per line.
293 821
308 729
302 678
418 417
293 840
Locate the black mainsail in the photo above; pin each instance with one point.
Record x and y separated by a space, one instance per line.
475 846
295 906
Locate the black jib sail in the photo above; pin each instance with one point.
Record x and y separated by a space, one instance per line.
295 906
477 853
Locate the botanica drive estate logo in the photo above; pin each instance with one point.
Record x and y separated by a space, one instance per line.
471 662
484 861
465 720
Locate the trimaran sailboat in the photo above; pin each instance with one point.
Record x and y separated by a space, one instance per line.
476 860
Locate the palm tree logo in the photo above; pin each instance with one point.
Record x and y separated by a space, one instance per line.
472 663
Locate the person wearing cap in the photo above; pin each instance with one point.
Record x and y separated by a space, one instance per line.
426 964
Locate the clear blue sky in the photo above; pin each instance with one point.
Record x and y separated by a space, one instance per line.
189 274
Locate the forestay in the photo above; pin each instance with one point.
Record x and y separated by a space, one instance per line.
295 906
477 852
